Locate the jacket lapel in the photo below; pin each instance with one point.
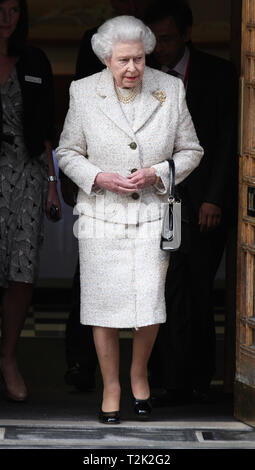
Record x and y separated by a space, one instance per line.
149 103
109 104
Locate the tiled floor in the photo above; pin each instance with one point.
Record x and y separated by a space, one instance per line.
45 324
49 319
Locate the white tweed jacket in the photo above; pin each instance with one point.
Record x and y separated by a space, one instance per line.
98 137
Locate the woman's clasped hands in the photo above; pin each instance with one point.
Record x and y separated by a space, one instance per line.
116 183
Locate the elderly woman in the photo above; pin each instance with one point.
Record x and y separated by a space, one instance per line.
122 125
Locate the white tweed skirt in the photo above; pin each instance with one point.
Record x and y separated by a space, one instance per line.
122 273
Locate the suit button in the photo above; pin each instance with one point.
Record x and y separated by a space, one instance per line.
133 170
133 145
135 196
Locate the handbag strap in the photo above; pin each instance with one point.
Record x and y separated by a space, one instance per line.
171 180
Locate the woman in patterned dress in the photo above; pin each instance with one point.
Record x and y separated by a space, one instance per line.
26 133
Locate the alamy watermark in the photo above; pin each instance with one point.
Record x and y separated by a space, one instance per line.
117 220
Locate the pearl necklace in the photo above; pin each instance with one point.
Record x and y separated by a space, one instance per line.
130 97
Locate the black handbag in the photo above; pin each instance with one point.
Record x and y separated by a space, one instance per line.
171 225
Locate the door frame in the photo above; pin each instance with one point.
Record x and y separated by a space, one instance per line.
243 55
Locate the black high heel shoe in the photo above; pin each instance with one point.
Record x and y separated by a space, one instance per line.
142 408
109 417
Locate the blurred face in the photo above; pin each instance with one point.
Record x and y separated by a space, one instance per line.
9 17
171 43
127 63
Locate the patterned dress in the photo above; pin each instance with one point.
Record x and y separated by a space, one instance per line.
23 189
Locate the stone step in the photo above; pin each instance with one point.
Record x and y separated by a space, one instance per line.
151 435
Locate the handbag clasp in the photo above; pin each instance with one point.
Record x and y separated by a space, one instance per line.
171 200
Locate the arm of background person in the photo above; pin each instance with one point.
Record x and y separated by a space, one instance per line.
225 160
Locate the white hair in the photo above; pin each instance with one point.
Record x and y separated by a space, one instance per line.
121 29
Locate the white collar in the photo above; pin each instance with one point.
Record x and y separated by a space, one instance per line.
181 67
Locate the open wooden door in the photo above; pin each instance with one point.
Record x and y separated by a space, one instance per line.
245 346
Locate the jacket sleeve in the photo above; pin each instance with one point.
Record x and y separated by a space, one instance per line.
71 152
225 161
48 101
38 99
187 151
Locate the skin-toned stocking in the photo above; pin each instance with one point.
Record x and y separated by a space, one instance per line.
143 341
107 347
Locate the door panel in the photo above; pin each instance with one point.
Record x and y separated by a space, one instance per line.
245 367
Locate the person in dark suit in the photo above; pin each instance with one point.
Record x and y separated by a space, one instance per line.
80 350
27 132
183 359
